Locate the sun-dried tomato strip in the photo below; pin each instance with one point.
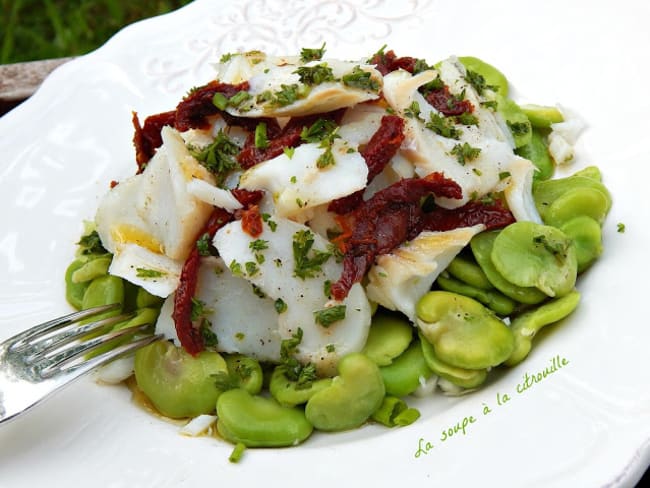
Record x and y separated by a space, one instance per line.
447 104
147 138
251 221
289 137
390 217
388 62
377 153
193 111
492 215
190 336
247 197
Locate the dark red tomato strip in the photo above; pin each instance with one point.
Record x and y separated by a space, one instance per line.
387 62
193 111
377 226
377 153
147 138
251 221
247 197
492 215
189 336
445 103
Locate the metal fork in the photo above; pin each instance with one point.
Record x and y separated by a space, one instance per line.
41 360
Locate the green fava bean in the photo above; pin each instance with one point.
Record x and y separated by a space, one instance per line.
246 372
592 172
536 151
104 291
462 331
587 237
492 76
406 373
530 254
389 336
290 393
542 116
495 301
354 395
395 412
547 192
179 385
516 121
92 269
74 292
469 272
144 316
465 378
527 325
257 421
145 299
576 202
482 245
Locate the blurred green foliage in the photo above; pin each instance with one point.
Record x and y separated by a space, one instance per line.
42 29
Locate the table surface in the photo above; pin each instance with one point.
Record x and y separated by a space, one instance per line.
19 81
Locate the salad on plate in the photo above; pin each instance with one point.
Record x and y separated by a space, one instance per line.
319 239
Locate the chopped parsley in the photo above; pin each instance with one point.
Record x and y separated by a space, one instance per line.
271 223
204 246
280 305
442 126
413 110
289 151
420 66
218 157
311 54
258 291
288 94
227 57
557 248
361 79
315 75
467 118
330 348
326 159
504 174
149 273
235 268
91 244
477 80
258 245
491 104
303 376
519 128
209 337
319 131
620 227
307 261
465 153
251 268
261 140
329 315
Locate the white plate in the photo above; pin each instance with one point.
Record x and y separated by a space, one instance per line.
587 424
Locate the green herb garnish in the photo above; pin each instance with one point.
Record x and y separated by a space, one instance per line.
329 315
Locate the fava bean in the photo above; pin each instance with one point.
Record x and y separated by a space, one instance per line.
104 291
462 331
405 374
245 372
257 421
469 272
145 299
577 202
179 385
74 292
389 336
482 245
536 151
530 254
91 269
542 116
354 395
527 325
466 378
587 237
547 192
290 393
494 300
395 412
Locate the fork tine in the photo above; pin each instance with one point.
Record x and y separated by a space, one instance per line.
56 360
40 330
66 334
78 365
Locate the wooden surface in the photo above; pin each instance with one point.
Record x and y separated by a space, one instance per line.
20 80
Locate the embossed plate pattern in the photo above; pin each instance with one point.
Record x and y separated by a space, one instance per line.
584 424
